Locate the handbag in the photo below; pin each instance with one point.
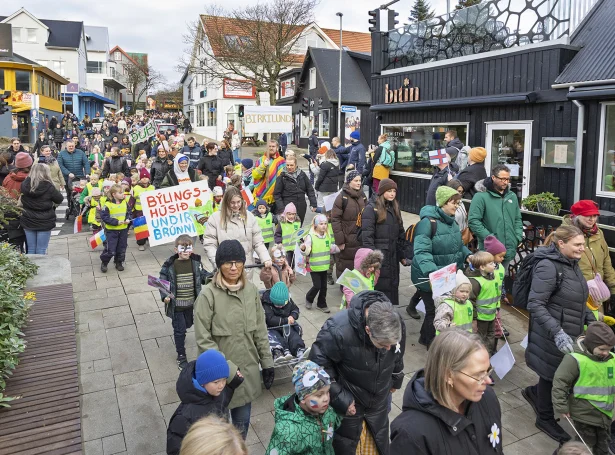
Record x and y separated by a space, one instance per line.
466 236
598 291
380 172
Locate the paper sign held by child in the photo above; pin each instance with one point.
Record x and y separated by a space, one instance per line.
443 280
503 361
352 280
161 285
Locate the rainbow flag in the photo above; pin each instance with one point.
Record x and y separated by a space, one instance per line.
140 228
97 239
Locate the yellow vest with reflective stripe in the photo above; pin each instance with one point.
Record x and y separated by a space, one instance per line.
266 225
117 211
320 254
136 192
488 299
596 382
92 211
288 230
500 275
463 313
90 187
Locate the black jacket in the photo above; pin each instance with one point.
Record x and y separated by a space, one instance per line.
39 207
212 166
469 176
115 164
58 134
226 156
195 404
554 309
359 372
383 236
171 179
439 178
159 169
427 428
276 316
313 145
288 189
328 177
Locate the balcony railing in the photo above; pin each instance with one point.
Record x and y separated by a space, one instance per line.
490 25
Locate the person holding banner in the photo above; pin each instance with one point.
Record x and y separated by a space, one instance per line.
180 174
234 222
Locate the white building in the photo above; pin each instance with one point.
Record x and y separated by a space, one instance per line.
121 58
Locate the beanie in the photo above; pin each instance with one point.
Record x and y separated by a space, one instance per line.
493 245
23 160
443 194
261 202
320 218
217 191
144 173
314 131
95 192
461 279
352 175
279 294
477 154
584 207
386 185
210 366
290 208
308 378
228 251
355 135
598 333
247 163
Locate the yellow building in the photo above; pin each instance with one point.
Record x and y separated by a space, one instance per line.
25 79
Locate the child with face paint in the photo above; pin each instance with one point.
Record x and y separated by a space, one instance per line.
185 274
304 421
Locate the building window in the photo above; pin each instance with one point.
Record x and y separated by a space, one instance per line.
31 35
22 81
2 79
287 88
323 123
211 113
96 67
200 114
606 172
312 78
117 56
307 124
414 142
58 67
232 41
190 94
17 34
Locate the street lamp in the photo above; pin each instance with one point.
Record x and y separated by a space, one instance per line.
339 92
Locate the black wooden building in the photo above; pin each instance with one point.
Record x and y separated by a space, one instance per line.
546 110
317 81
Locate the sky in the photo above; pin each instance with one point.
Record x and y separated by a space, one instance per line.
156 27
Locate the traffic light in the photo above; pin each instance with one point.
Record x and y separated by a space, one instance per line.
392 19
4 106
374 20
241 112
305 105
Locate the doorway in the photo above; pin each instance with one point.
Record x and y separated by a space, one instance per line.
510 143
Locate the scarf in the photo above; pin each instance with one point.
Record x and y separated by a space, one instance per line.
223 284
182 177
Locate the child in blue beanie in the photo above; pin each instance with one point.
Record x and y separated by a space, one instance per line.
203 390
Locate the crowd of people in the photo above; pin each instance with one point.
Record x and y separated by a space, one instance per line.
343 383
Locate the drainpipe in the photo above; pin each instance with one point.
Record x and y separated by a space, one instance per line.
579 155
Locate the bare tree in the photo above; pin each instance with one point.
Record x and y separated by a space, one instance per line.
140 79
254 42
172 94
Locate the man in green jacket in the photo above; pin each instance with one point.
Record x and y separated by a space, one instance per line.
495 211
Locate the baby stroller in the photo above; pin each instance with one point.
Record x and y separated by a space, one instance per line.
74 187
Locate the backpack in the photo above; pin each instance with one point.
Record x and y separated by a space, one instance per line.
406 245
462 157
523 280
387 156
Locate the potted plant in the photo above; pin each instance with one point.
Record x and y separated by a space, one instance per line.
546 203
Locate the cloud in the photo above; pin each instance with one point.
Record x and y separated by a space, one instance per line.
156 27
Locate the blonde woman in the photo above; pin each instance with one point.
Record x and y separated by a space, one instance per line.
213 436
449 407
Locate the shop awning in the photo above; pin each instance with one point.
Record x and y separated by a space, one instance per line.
511 98
592 92
97 96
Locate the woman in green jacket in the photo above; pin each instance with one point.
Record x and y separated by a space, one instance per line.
437 243
228 317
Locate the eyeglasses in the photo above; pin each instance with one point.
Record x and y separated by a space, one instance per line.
483 378
503 179
232 264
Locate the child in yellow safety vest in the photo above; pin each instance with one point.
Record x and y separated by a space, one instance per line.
498 250
94 182
318 246
584 387
265 220
455 309
288 224
143 186
485 296
367 262
93 204
115 216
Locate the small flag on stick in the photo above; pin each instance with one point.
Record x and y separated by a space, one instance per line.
247 196
78 224
140 228
97 239
438 157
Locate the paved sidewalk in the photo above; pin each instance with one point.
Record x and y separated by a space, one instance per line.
128 368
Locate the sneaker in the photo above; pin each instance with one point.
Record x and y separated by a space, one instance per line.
141 247
119 266
182 362
277 355
530 397
324 309
308 305
330 280
103 267
552 429
411 310
288 355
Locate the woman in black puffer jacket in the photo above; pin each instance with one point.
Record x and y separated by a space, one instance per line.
364 366
328 177
558 313
39 198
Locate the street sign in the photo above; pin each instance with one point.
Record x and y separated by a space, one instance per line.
349 108
212 109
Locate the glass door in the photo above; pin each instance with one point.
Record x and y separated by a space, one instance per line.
510 143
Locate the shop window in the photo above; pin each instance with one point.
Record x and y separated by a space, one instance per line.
22 81
323 122
211 113
606 171
307 124
414 142
312 78
200 114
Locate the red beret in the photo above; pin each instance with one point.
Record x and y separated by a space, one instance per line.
585 207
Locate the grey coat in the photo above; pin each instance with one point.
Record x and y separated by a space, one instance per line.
554 309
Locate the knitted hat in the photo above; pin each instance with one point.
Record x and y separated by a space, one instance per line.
183 158
477 154
598 333
308 378
247 163
210 366
386 185
443 194
320 218
261 202
228 251
290 208
355 135
461 279
144 174
23 160
96 191
584 207
352 175
217 191
493 245
279 294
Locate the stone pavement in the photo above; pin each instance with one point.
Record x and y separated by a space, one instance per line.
128 368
